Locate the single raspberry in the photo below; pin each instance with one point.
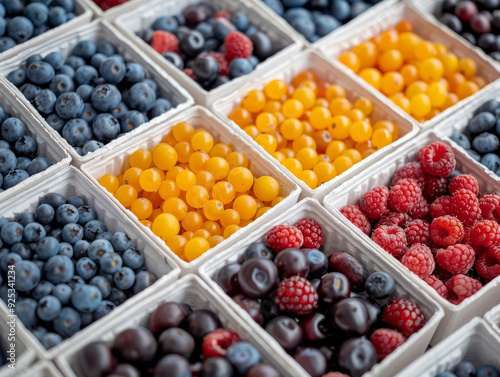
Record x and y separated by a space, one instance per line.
411 170
435 187
487 266
463 286
464 181
108 4
421 209
284 236
446 230
374 203
418 231
457 259
312 232
217 342
490 207
222 14
189 72
466 206
335 374
437 159
223 64
296 295
438 286
394 218
466 240
495 251
485 233
237 45
419 260
404 315
442 206
404 195
352 213
163 42
386 341
390 238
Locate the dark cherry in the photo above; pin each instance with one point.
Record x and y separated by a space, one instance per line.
318 262
258 250
216 367
172 366
227 278
315 283
357 356
201 322
168 314
291 262
312 360
316 328
333 287
372 307
178 341
465 10
251 306
286 331
136 344
126 370
480 23
351 267
262 370
96 359
269 309
351 316
195 14
380 285
258 277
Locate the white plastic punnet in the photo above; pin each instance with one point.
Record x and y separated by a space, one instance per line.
493 318
337 237
40 369
381 173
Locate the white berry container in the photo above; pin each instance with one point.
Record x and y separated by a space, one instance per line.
41 369
112 12
326 71
116 162
475 342
98 31
147 11
192 291
493 318
47 145
337 237
426 27
71 182
381 173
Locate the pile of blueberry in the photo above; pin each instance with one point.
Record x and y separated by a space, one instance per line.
481 137
212 47
467 369
21 20
178 342
18 159
316 18
91 98
69 270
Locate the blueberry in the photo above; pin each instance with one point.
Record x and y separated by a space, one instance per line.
113 70
66 249
85 74
68 323
9 259
461 140
88 113
50 340
464 369
243 356
39 332
8 160
67 70
104 308
85 49
275 5
40 30
491 161
57 16
33 232
379 285
40 72
3 23
103 284
37 13
132 120
66 214
487 371
86 268
98 249
28 275
4 144
20 29
12 233
358 8
482 122
87 318
221 80
55 59
23 250
191 43
120 242
165 23
24 218
111 262
240 67
72 233
14 177
86 298
47 247
25 145
3 115
12 129
38 165
91 146
49 308
68 5
69 105
143 280
29 91
75 281
485 143
93 228
221 28
304 26
262 45
6 43
161 106
134 73
53 199
45 101
120 111
106 48
77 132
80 249
153 85
106 127
325 24
124 278
59 269
86 214
85 91
206 29
133 258
106 97
117 296
141 97
17 77
175 59
44 288
97 60
26 311
44 214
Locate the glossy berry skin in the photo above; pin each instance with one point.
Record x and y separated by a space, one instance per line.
350 266
292 262
243 356
96 359
172 365
312 360
316 327
178 341
351 316
251 306
136 344
257 277
357 355
216 366
285 331
333 287
202 322
380 285
227 278
318 262
258 250
167 315
262 370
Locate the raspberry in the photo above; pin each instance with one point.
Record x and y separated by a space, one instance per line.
296 295
490 207
418 231
284 236
393 218
163 42
217 342
189 72
222 14
335 374
108 4
374 203
438 285
404 315
386 341
463 286
466 240
421 209
237 45
464 181
404 195
437 159
390 238
357 217
411 170
223 64
312 232
446 230
435 187
441 206
419 260
466 206
457 259
487 266
485 233
495 251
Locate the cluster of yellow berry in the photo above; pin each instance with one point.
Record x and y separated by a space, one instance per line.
192 193
421 77
311 128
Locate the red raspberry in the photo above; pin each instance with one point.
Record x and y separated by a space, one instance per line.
296 295
404 315
464 181
189 72
390 238
357 217
437 159
419 260
418 231
394 218
335 374
108 4
463 286
478 249
222 14
312 232
438 285
446 230
485 233
411 170
237 45
404 195
163 42
487 266
466 206
421 209
386 341
284 236
495 251
442 206
435 187
223 64
457 259
374 203
217 342
490 207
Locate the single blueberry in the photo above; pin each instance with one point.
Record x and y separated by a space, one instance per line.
55 59
45 101
461 140
20 29
40 72
85 49
91 146
59 269
106 97
28 276
72 233
240 67
77 132
17 77
68 323
106 127
12 129
69 105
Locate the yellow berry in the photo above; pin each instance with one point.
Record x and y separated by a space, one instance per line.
109 182
230 230
293 165
325 171
291 129
183 131
309 177
166 225
342 163
202 141
185 179
141 158
246 206
229 217
150 180
266 188
224 192
165 157
197 196
176 207
177 245
241 179
195 247
218 167
192 221
213 210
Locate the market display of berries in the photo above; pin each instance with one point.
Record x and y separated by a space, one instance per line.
420 76
481 136
92 97
467 369
108 4
211 46
69 270
178 342
191 191
22 20
18 152
311 127
435 221
315 19
329 313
